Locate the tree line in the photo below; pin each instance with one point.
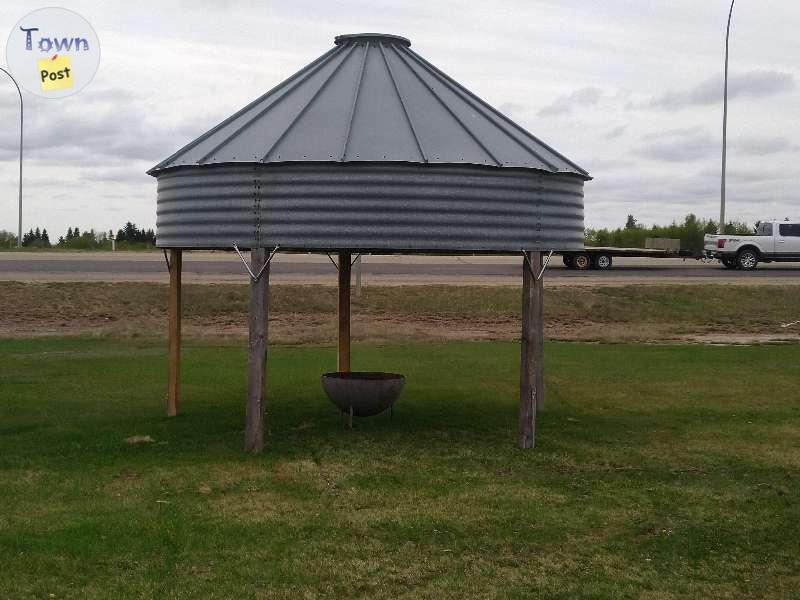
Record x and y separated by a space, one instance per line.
128 237
632 235
690 232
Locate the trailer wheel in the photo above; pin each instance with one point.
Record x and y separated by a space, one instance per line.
747 259
582 262
730 263
602 262
569 261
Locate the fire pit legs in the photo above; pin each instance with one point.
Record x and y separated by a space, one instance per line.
362 394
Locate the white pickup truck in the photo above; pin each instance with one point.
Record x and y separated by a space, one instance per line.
774 241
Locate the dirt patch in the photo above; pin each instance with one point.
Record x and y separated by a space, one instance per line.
742 338
392 328
307 314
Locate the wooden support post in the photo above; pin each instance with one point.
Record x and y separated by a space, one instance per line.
257 354
358 276
174 312
344 312
532 333
537 297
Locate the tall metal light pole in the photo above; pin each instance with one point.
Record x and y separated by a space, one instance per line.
721 228
19 91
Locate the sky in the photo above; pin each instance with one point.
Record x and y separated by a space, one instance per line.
630 90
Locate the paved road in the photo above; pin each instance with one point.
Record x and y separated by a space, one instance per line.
298 268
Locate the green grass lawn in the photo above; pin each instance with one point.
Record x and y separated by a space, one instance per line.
660 472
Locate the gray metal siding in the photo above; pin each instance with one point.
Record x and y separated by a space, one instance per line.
365 206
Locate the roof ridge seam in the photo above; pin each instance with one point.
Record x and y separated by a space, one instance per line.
403 103
448 109
263 111
482 108
308 104
355 102
499 114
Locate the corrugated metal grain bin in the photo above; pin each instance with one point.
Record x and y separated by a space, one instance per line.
370 148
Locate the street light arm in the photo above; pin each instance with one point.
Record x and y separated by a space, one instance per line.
14 81
21 121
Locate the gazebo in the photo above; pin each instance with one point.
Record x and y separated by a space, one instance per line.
368 149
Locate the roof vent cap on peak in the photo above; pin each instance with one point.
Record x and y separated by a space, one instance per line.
386 38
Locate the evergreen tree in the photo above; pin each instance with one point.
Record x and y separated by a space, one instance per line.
131 233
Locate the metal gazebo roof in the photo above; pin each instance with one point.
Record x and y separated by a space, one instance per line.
371 99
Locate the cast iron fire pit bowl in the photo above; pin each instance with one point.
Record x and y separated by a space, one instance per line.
368 393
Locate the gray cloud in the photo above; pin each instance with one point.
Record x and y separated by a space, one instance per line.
614 133
745 174
586 96
118 176
751 84
761 145
678 145
686 145
107 125
511 109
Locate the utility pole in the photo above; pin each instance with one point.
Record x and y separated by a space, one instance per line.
19 91
721 228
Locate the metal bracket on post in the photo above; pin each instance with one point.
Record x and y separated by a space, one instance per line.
544 265
166 260
255 276
335 264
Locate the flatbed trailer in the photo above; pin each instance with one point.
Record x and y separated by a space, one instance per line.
601 257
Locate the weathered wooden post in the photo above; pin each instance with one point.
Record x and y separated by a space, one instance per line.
257 353
174 317
343 359
537 298
358 276
344 312
532 336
